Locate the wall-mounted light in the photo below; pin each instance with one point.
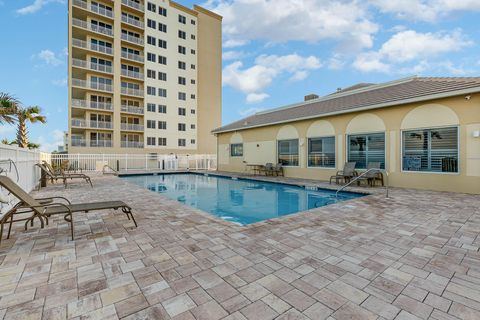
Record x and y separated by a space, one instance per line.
476 134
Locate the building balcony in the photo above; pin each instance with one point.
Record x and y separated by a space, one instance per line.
132 127
135 40
91 85
133 22
78 142
132 74
82 123
101 143
133 5
91 27
132 144
77 43
92 66
78 103
132 109
133 57
95 9
132 92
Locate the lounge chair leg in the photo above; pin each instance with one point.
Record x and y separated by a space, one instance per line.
69 218
9 227
129 214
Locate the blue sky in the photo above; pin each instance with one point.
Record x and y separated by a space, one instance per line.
275 51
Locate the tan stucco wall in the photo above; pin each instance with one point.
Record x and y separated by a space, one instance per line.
260 143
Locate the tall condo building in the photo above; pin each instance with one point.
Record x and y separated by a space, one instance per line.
144 77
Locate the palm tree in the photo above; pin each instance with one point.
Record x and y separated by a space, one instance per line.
24 115
8 105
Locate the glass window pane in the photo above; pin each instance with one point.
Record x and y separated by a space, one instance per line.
321 152
236 150
366 148
288 152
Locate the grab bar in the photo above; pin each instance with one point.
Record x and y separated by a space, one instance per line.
363 174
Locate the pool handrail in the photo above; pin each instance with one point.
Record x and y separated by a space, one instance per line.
383 171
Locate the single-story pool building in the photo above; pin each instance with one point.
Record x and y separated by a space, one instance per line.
425 132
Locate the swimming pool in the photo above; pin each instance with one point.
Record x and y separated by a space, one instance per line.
240 201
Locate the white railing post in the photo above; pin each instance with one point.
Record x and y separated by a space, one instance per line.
126 162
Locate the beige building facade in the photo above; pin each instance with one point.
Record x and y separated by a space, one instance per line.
425 132
144 77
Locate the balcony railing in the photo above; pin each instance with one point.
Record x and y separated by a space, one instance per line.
92 85
92 66
98 10
82 123
132 144
92 27
101 143
132 109
133 22
134 5
132 39
132 56
78 142
132 127
132 74
78 103
90 46
132 92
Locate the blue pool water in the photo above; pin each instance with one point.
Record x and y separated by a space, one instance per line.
239 201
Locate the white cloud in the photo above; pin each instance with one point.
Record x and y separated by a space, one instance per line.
49 57
344 21
249 111
254 80
36 6
425 10
232 55
407 46
234 43
55 139
60 82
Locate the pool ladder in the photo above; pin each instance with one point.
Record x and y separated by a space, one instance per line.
363 174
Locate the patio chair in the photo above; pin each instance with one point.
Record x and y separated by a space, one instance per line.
346 174
372 176
267 169
43 208
61 175
278 170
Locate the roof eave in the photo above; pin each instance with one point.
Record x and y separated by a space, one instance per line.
370 107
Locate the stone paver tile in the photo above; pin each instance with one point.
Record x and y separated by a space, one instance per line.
105 313
462 291
414 307
118 294
353 311
330 299
235 316
187 315
298 299
318 311
155 312
254 291
17 298
415 293
258 310
292 314
463 312
178 304
183 285
276 303
380 307
438 302
207 279
199 296
222 292
404 315
131 305
86 305
210 310
58 313
347 291
60 299
274 284
235 303
287 275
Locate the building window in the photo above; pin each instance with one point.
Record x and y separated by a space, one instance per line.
182 19
182 96
192 141
288 152
193 22
162 108
192 37
151 40
151 57
162 92
192 126
151 91
321 152
430 150
182 50
151 24
150 141
182 80
236 150
192 96
162 11
162 141
182 65
182 127
151 7
182 142
366 148
192 67
162 76
192 111
192 51
151 124
162 60
162 27
151 74
162 43
182 111
192 81
151 107
162 125
182 34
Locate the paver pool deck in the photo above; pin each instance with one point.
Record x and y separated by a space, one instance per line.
412 256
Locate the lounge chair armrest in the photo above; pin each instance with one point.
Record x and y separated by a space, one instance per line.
51 198
339 173
53 204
